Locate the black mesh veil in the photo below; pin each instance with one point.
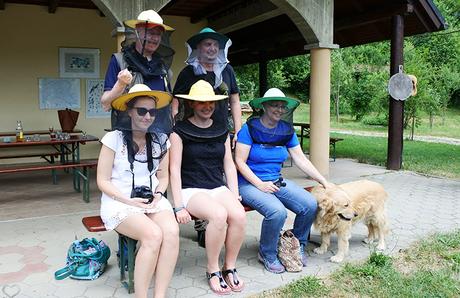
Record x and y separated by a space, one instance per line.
163 56
264 131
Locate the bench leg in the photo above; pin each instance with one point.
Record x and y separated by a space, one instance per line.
82 174
126 243
333 151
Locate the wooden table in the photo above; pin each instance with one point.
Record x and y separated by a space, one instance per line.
304 131
67 151
33 132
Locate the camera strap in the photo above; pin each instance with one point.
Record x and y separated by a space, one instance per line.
129 145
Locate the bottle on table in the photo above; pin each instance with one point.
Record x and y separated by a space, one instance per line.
19 132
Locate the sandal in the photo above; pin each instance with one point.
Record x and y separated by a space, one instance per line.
223 285
236 285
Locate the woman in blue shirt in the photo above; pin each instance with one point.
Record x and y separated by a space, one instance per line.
264 143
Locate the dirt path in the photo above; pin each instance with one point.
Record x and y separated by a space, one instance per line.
430 139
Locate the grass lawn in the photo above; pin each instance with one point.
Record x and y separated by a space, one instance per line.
429 268
426 158
422 157
448 126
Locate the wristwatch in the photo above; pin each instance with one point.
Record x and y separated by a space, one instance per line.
177 209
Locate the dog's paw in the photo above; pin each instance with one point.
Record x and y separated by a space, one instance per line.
319 250
368 240
336 259
380 248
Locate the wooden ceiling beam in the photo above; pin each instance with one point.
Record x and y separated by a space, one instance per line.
252 12
215 9
52 6
371 17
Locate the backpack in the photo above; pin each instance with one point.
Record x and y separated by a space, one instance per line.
86 259
289 251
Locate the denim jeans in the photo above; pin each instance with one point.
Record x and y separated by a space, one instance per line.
273 207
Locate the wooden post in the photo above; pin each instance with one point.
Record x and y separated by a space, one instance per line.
396 116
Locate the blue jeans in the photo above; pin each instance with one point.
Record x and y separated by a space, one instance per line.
273 207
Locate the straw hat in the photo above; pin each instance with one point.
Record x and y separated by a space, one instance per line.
149 17
207 33
201 91
161 98
274 94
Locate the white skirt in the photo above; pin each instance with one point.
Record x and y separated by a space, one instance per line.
115 212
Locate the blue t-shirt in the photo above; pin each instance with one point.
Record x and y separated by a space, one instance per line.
111 77
264 160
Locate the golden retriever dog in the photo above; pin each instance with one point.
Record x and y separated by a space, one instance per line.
342 205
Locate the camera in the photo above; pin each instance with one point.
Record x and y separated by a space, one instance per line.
143 192
279 182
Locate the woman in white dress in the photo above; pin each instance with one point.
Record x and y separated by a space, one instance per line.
133 162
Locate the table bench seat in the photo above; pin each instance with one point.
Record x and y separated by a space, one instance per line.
44 155
81 171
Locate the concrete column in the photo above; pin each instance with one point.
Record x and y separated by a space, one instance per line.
320 90
119 34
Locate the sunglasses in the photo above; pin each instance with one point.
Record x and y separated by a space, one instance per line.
142 111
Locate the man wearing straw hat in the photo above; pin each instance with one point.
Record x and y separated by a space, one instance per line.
145 58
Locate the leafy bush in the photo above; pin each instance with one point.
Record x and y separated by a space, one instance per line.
380 120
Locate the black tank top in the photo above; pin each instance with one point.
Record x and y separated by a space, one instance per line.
202 158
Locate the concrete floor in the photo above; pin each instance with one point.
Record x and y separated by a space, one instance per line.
39 220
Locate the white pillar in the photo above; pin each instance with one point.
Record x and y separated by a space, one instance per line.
320 90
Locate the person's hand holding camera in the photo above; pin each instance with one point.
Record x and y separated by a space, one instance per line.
267 186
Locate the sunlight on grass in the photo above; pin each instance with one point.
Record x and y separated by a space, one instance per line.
429 268
447 126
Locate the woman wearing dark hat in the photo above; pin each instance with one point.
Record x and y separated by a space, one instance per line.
132 174
145 58
264 143
207 60
200 158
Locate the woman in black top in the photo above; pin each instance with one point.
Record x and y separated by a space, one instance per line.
204 183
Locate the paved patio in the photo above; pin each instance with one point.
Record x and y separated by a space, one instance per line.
39 220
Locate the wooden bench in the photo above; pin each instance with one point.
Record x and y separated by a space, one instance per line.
332 142
80 171
48 156
95 224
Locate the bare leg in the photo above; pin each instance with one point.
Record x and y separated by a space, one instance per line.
203 206
168 252
142 228
235 233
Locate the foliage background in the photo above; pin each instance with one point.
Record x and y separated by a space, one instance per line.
360 75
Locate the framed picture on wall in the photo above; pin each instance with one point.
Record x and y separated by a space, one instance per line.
94 90
79 63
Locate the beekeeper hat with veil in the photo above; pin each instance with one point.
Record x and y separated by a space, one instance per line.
137 32
140 108
271 123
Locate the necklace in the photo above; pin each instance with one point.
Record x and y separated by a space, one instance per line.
269 129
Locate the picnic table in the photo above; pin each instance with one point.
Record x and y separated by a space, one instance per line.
305 133
55 154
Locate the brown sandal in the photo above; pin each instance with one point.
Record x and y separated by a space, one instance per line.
235 286
223 285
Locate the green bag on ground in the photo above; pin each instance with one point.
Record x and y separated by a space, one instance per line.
86 259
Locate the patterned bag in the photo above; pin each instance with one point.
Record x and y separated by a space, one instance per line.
289 251
86 259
